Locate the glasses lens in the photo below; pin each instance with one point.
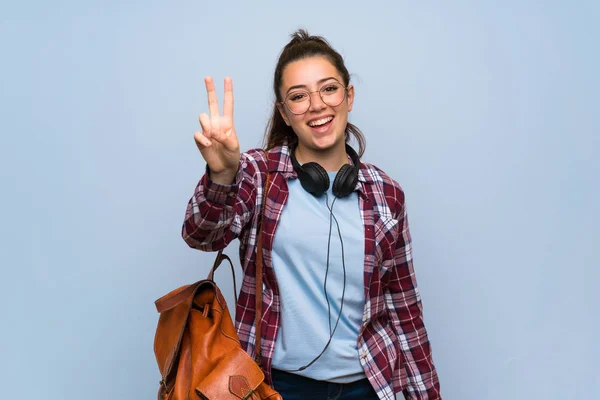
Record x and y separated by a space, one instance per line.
298 102
332 94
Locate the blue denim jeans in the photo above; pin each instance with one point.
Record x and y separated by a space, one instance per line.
296 387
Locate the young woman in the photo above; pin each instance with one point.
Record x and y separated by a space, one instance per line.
342 316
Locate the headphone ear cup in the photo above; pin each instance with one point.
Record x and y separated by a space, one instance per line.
314 178
345 181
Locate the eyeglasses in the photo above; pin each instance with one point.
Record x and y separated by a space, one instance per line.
332 94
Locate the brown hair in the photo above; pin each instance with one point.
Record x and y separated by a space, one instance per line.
300 47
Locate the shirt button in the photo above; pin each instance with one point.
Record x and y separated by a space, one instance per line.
231 194
363 356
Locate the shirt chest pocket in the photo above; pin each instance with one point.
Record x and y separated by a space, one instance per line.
386 233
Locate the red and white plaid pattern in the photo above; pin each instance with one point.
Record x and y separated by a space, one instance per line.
393 345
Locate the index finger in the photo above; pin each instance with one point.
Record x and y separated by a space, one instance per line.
213 103
228 98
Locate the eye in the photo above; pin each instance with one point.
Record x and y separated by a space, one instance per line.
295 97
330 89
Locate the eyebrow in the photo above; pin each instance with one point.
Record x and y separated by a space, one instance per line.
304 86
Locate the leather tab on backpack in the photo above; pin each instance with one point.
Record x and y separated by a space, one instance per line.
239 387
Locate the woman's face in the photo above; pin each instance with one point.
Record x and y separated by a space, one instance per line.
322 126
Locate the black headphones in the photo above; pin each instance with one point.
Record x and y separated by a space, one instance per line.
314 178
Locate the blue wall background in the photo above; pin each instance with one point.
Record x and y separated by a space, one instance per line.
486 113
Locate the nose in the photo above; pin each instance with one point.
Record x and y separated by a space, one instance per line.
316 103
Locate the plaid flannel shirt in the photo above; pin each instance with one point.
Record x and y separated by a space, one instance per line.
393 346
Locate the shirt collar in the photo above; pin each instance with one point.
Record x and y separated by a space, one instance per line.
280 161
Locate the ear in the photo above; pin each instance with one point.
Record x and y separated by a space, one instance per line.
350 97
282 111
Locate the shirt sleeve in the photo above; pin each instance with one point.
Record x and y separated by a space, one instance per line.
216 214
406 312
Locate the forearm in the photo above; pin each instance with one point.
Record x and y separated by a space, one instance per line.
422 378
217 212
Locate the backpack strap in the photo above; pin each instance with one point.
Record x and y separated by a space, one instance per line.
218 260
259 274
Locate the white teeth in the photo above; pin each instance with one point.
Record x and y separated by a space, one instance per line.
320 121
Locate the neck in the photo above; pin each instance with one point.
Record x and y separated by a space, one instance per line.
331 159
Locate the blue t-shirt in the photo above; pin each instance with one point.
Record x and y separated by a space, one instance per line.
299 261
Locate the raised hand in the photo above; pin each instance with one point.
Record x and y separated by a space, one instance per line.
218 141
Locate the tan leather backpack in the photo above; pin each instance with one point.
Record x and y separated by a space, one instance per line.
198 351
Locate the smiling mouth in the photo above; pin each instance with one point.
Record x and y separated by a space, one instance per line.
320 122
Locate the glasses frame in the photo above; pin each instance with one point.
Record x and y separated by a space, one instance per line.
316 91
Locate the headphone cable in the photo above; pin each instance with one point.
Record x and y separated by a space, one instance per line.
331 215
